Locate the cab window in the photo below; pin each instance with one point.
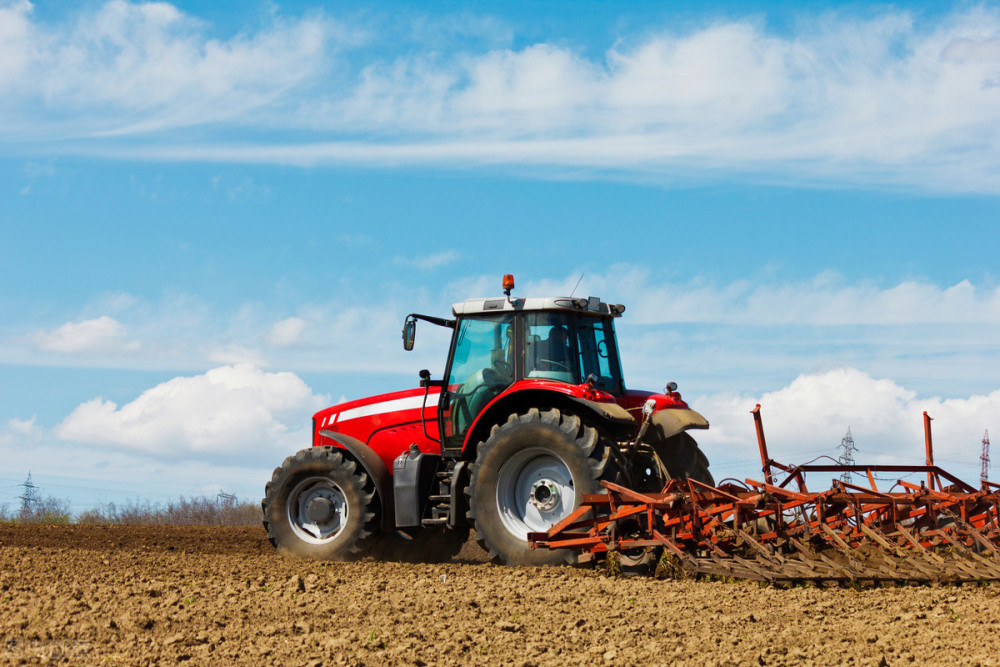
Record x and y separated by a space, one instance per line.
548 347
598 354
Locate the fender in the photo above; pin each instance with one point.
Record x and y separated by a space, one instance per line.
373 465
669 422
616 418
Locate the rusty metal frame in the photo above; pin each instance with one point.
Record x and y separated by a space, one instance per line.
940 530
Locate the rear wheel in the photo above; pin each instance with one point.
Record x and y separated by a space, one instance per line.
530 474
683 459
320 505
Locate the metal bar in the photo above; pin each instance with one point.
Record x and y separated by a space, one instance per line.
930 448
762 444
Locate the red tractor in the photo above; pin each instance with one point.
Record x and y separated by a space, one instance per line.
531 414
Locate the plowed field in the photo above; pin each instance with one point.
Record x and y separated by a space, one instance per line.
151 595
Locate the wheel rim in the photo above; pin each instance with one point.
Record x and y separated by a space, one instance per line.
535 491
317 510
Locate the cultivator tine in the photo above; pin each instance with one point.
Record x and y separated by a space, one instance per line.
991 568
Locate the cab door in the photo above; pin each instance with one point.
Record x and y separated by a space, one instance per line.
480 366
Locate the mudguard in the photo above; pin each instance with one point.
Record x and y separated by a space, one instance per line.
616 418
375 468
612 412
669 422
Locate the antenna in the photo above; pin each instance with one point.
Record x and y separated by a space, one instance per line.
576 285
847 454
985 457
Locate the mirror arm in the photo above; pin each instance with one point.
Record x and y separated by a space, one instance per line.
440 321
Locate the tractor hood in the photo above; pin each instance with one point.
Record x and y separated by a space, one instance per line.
363 417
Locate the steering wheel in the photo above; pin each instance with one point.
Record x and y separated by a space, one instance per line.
555 365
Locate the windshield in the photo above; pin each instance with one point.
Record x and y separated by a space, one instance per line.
568 347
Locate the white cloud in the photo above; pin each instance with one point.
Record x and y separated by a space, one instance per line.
102 334
807 419
17 44
755 334
25 428
286 333
21 431
234 353
153 65
237 411
890 100
827 299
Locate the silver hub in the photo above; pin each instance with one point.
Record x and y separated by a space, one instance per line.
545 495
535 491
317 510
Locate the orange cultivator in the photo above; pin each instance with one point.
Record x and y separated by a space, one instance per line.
940 530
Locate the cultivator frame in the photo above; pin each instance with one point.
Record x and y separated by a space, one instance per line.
940 530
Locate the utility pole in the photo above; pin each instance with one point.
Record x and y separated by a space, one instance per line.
847 454
985 457
29 499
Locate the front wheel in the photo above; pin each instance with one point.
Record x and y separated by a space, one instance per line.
320 505
530 474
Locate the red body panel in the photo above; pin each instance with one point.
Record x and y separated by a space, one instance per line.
390 423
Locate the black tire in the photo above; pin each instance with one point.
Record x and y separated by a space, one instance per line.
321 505
421 545
683 459
530 473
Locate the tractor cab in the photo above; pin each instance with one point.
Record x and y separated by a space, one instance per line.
534 342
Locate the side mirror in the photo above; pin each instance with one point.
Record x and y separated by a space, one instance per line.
409 333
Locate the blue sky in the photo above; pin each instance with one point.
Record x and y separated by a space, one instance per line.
215 216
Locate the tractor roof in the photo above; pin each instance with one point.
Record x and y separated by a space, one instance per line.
591 306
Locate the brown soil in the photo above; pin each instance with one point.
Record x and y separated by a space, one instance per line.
150 595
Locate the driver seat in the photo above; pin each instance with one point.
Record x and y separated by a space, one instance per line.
472 397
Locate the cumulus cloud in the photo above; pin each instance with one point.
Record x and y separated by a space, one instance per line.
238 411
102 334
26 428
891 99
807 419
21 431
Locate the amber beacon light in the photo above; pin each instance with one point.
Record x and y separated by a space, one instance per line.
508 283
